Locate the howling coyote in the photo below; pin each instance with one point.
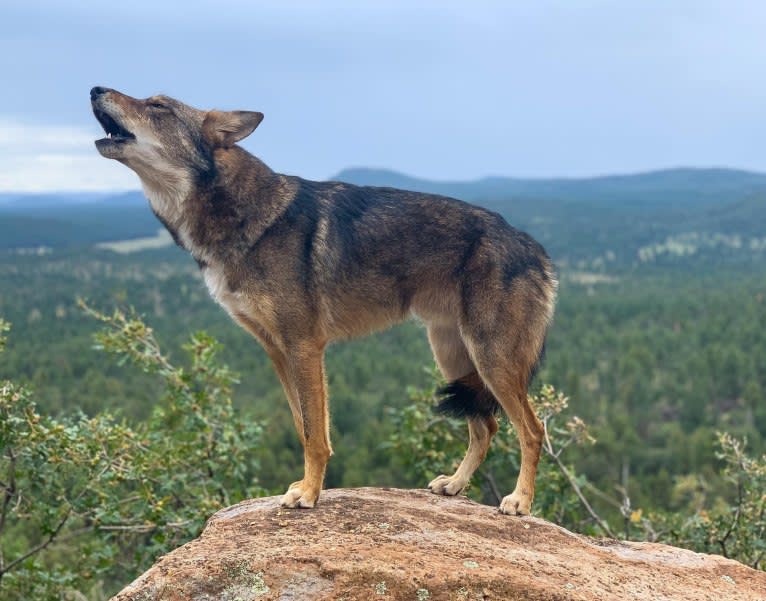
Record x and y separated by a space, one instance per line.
299 264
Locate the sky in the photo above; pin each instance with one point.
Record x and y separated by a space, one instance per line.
442 90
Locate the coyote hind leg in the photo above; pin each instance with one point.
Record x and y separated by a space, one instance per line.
507 379
504 329
530 431
462 394
480 433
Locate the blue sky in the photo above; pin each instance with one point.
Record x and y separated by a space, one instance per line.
446 90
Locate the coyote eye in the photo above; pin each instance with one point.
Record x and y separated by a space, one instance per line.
158 105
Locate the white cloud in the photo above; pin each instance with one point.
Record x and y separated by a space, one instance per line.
56 158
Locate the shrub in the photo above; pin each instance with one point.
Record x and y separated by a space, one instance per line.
86 500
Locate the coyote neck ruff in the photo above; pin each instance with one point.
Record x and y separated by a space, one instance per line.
300 263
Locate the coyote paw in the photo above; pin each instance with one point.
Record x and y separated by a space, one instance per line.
299 496
516 504
446 485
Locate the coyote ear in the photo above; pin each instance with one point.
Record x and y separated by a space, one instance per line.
226 128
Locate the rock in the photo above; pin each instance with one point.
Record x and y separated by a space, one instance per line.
369 544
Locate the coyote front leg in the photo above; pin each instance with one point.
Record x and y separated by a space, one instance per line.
305 375
279 361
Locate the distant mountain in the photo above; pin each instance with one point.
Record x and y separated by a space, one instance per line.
24 202
669 187
66 220
614 220
601 220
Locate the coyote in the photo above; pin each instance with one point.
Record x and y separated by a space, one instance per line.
300 264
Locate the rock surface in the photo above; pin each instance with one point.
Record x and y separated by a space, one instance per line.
369 544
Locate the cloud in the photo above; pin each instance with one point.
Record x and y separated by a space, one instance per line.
56 158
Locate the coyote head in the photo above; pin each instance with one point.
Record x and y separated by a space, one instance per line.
163 140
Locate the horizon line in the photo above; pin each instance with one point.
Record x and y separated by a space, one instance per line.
599 175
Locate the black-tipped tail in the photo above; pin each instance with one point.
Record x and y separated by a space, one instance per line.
466 398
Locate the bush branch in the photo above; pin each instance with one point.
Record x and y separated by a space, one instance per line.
548 446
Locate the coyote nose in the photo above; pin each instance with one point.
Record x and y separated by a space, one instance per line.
97 91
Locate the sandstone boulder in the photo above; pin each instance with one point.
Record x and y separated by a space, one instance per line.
370 544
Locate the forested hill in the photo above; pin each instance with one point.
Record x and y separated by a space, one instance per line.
14 201
60 220
679 216
674 215
680 187
668 187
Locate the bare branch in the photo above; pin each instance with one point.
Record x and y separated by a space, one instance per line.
41 546
737 513
489 478
603 496
548 446
10 491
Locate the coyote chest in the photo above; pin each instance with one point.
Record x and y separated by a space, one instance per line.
215 280
253 310
216 285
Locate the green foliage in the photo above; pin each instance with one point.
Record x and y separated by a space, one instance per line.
4 327
736 528
86 499
58 223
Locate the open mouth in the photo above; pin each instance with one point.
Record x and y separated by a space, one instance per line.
114 131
